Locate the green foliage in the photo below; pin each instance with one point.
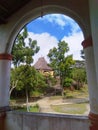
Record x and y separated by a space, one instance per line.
34 108
22 76
67 82
61 65
24 48
35 93
79 75
28 77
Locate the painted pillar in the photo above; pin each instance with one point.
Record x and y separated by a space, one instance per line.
93 6
92 83
5 64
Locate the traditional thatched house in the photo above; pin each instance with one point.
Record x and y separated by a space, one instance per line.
42 66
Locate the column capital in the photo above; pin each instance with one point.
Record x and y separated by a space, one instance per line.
87 42
93 121
5 56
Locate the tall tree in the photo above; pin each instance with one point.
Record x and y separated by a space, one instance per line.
60 63
24 49
28 79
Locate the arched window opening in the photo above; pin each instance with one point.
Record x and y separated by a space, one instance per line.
49 68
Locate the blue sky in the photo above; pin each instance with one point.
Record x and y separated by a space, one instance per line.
49 29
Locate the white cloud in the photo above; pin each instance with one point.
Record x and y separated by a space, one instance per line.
55 19
74 42
61 20
45 41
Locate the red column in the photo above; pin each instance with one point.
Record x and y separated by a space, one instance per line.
87 42
91 75
93 121
5 56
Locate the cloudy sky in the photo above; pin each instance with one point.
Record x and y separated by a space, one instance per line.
49 29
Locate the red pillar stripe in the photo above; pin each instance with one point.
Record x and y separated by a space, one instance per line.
2 120
93 121
5 56
87 42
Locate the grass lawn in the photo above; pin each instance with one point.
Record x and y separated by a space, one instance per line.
70 108
31 108
76 100
73 102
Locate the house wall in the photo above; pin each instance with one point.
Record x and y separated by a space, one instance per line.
38 121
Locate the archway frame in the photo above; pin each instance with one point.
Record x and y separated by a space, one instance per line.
35 13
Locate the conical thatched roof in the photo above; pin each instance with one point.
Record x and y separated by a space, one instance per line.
41 64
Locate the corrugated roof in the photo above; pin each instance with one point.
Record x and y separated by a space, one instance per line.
41 64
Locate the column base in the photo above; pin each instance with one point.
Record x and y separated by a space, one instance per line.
2 120
93 121
3 116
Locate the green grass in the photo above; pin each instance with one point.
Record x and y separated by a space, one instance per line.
70 108
34 108
55 97
82 93
79 98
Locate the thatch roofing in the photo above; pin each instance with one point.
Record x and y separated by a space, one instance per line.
41 64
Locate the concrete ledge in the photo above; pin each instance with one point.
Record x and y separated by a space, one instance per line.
50 115
43 121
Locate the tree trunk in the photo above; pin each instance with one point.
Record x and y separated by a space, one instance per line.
14 85
61 83
27 101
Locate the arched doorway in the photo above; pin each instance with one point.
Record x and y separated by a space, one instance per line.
43 10
11 30
44 46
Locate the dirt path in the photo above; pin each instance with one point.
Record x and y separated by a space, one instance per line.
45 104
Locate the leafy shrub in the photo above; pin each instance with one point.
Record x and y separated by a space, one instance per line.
67 82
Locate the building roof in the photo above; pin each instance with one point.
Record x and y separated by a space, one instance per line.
41 64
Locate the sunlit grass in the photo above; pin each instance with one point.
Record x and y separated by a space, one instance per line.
82 93
70 108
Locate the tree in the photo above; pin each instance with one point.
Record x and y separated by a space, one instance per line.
28 79
79 75
61 65
24 49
